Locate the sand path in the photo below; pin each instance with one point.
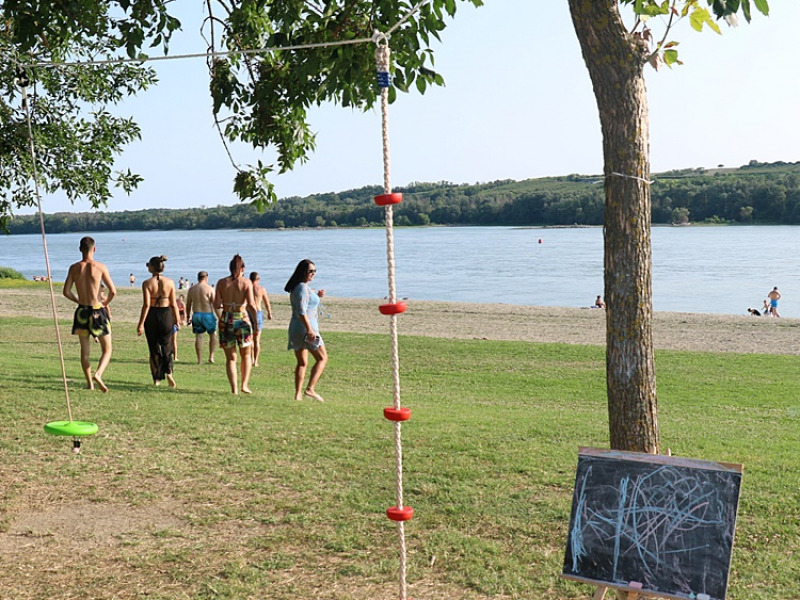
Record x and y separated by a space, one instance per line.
679 331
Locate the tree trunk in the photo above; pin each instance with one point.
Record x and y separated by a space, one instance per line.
615 60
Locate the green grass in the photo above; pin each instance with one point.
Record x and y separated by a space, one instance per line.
264 497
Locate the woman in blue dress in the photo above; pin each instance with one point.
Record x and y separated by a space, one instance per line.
304 330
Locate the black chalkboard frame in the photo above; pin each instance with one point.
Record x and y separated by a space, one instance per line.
656 461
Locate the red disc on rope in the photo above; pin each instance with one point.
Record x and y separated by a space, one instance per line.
393 309
397 513
397 414
387 199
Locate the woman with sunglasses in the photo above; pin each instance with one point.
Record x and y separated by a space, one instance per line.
304 329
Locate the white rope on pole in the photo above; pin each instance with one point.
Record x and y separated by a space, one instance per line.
635 177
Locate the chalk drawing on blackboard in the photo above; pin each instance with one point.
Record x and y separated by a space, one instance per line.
665 523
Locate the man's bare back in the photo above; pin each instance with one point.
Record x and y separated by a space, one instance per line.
86 276
200 298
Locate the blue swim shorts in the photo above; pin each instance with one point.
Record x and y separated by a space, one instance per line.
204 323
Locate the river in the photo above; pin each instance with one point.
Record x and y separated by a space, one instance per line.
723 269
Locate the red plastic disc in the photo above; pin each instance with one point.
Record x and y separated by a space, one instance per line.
387 199
397 414
393 309
396 513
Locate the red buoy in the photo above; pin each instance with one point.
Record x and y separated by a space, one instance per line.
387 199
397 513
393 309
397 414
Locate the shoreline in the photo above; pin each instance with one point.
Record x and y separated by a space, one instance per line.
701 332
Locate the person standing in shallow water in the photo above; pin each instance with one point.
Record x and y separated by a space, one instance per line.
304 334
158 321
91 317
774 296
234 296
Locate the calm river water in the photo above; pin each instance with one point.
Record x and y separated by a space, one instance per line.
695 269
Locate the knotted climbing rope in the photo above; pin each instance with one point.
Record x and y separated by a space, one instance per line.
396 413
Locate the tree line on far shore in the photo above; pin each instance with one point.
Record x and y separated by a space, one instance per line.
763 193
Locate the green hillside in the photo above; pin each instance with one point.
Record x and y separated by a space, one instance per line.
763 193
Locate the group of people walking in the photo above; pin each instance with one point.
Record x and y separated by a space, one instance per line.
233 307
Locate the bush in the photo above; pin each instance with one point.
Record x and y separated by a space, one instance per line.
9 273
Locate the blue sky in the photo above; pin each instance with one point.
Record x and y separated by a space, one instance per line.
518 104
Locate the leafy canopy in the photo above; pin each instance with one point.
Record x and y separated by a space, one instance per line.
76 136
700 13
263 98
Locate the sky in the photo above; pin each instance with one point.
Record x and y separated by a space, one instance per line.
517 104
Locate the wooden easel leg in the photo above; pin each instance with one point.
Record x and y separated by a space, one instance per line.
600 593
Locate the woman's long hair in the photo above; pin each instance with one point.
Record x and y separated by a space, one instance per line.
236 265
300 274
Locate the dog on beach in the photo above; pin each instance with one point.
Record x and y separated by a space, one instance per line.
754 312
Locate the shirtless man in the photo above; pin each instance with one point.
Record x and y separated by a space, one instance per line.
260 293
202 315
774 296
91 318
234 296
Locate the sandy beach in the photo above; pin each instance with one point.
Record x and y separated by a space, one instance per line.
676 331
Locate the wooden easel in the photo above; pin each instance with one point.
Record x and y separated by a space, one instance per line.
627 594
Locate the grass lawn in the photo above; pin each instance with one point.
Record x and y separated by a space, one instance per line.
195 493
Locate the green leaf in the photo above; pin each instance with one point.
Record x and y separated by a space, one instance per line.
700 17
650 8
746 10
762 6
671 58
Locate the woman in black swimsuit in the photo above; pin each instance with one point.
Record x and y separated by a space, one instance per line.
159 320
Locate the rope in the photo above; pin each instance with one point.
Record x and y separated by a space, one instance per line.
382 60
266 49
148 59
642 179
23 83
407 16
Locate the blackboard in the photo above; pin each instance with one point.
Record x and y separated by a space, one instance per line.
662 524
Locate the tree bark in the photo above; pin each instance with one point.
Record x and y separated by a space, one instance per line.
615 60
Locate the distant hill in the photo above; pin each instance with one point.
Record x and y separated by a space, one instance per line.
765 193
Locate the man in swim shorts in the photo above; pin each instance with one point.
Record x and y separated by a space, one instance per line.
202 315
91 320
774 296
